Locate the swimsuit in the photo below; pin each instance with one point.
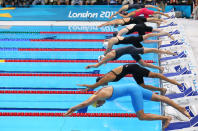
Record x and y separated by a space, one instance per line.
135 41
135 20
140 28
137 71
136 6
131 50
146 12
137 94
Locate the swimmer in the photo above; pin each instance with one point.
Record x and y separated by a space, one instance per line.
132 20
138 73
134 6
143 11
135 41
137 94
134 52
140 28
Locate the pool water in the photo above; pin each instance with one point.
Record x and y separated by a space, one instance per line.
18 37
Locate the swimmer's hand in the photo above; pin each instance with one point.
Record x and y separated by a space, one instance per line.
90 66
111 16
84 85
87 89
69 112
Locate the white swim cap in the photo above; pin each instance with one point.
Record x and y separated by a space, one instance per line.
100 58
105 44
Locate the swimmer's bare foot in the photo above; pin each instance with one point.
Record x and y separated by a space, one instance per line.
111 17
185 112
161 69
159 9
163 91
167 15
160 42
158 23
167 122
173 38
171 53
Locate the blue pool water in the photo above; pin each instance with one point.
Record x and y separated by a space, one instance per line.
61 102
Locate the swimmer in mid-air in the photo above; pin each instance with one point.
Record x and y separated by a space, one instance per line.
138 73
134 6
137 94
135 41
132 20
134 52
143 11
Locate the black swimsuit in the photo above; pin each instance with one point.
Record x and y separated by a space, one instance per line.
135 41
131 50
136 6
137 71
135 20
140 28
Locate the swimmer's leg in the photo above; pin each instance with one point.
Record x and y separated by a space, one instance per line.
170 102
123 32
157 34
111 42
156 30
154 20
141 62
168 34
144 116
154 50
151 6
157 12
152 41
158 75
138 95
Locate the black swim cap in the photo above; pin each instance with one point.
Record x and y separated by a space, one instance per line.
124 12
98 78
115 33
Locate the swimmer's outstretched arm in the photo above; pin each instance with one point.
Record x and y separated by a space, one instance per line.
102 81
123 8
86 103
107 58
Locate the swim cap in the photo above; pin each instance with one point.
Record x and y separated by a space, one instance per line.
95 103
100 58
105 44
115 33
98 78
124 12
